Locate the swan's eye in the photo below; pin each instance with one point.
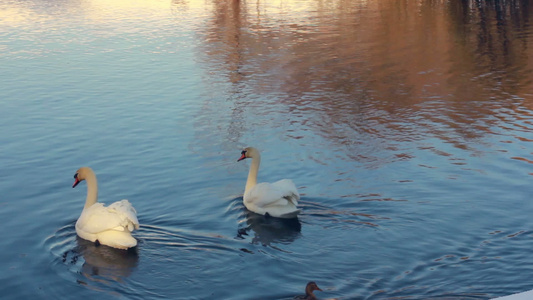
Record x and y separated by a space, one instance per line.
243 152
76 176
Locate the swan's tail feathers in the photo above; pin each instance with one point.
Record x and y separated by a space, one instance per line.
291 215
132 226
117 239
293 198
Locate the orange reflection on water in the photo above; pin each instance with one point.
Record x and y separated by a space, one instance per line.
395 70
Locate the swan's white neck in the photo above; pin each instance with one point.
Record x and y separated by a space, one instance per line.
92 190
252 174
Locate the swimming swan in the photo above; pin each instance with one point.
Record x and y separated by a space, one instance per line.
278 199
112 225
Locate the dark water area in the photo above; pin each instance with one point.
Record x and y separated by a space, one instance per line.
405 125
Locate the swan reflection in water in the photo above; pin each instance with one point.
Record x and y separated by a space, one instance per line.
268 230
101 262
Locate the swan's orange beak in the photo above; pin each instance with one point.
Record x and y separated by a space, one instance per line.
76 181
243 156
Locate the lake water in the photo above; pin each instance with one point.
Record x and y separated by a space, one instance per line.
407 127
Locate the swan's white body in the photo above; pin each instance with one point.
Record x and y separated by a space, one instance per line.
111 225
278 199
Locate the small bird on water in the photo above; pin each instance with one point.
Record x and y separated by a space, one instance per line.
309 289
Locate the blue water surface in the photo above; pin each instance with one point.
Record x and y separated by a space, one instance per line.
406 127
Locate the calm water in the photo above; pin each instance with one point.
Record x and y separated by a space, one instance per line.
406 126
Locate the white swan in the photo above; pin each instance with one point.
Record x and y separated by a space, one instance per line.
278 199
112 225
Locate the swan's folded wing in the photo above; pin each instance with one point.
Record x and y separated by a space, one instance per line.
118 216
127 211
279 193
290 192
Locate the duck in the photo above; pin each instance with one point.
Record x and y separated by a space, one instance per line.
309 289
278 199
107 225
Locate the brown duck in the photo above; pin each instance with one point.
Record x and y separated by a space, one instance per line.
309 289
